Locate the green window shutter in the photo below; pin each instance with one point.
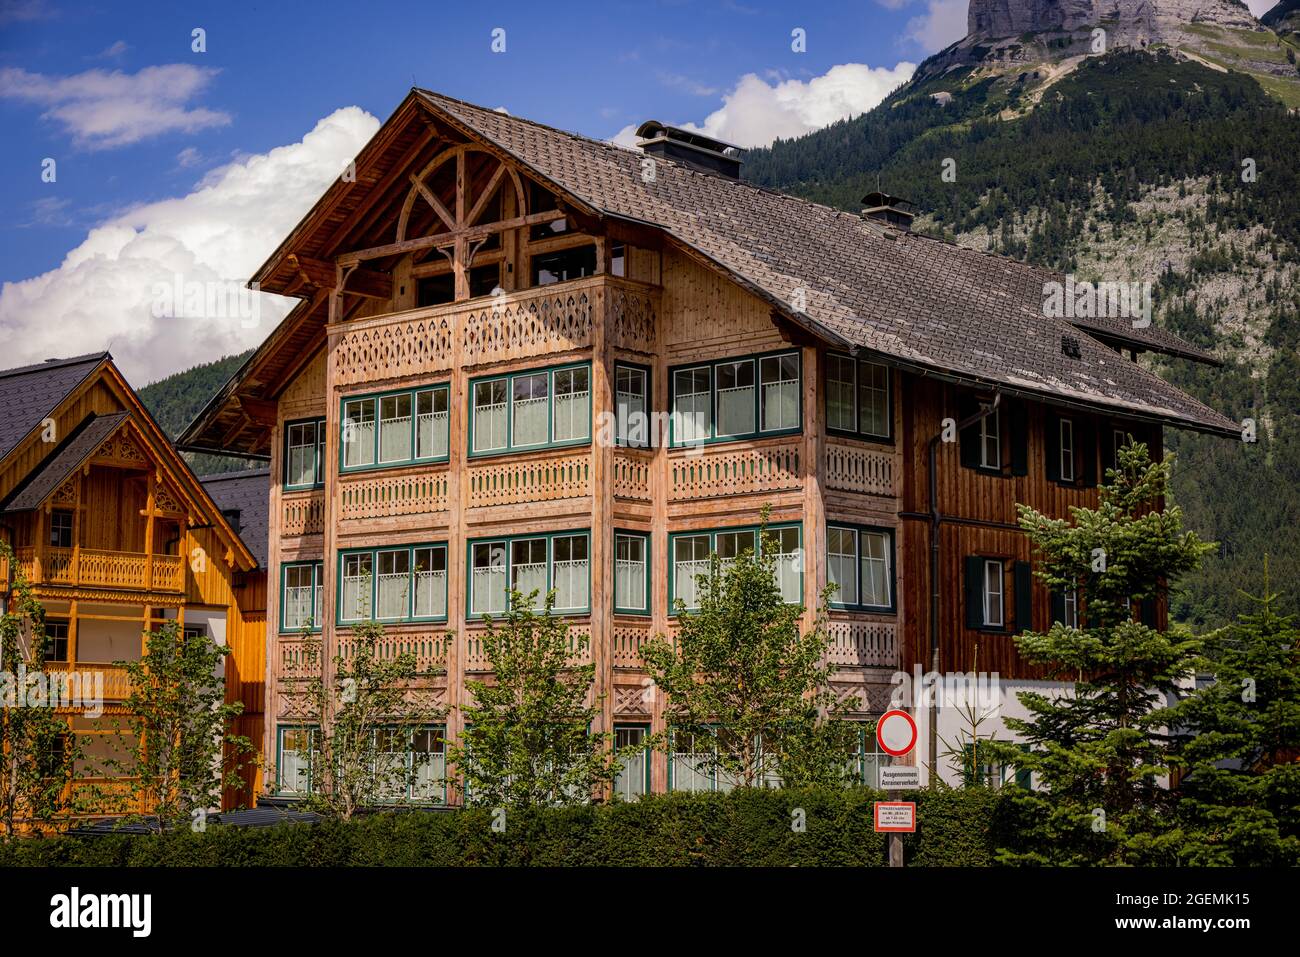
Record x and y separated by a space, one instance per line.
1018 427
974 591
1024 778
970 436
1058 606
1147 612
1086 438
1024 596
1052 445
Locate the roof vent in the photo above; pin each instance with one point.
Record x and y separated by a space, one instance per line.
891 210
1070 347
694 149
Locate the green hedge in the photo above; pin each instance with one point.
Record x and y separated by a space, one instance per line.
744 828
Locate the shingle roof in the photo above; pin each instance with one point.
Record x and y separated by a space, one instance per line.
923 303
249 492
28 394
78 446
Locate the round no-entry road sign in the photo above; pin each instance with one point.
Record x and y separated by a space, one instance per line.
896 733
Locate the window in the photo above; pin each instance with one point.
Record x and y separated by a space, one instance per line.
858 398
1118 439
993 604
979 771
61 528
632 398
530 410
435 290
689 763
299 752
990 441
396 428
559 561
300 597
860 561
690 558
409 583
304 454
867 758
1070 602
484 280
631 573
56 639
411 764
1067 450
736 398
617 259
633 779
563 265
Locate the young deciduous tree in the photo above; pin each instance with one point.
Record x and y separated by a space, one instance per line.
528 737
367 714
184 753
1239 739
37 753
1100 753
743 675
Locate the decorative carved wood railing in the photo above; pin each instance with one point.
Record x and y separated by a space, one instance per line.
628 637
718 472
476 658
854 468
511 481
102 569
302 513
632 475
863 641
83 676
633 311
409 493
430 648
297 658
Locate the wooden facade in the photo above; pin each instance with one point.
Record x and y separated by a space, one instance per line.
123 541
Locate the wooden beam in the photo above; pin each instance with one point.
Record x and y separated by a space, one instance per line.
433 201
486 196
317 272
369 283
445 239
260 411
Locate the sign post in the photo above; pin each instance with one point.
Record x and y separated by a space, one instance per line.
896 735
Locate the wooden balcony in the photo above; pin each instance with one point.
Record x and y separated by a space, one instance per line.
476 658
727 470
853 467
117 683
370 496
302 513
96 568
863 641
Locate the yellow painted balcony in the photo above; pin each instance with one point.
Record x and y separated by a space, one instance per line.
98 568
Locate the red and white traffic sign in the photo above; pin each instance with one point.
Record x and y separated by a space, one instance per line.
896 733
896 817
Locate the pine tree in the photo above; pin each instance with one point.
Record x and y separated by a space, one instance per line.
1100 754
1239 802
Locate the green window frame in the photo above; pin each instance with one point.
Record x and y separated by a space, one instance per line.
859 398
632 390
632 781
301 435
293 570
866 762
735 398
542 561
853 566
308 743
715 779
629 582
408 579
384 430
401 743
501 407
728 543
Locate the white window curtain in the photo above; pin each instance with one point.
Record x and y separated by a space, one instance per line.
391 763
735 397
433 419
490 415
840 387
630 395
431 582
569 572
630 572
393 584
488 577
842 562
629 784
529 409
358 433
301 467
691 405
528 568
690 560
395 428
299 749
789 562
729 546
299 597
993 593
873 399
876 577
689 763
356 587
428 765
572 405
780 378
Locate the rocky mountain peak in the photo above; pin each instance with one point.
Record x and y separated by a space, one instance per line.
1131 21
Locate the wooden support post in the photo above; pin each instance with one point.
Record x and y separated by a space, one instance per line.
895 850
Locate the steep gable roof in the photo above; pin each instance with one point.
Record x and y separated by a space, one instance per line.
78 446
249 493
30 394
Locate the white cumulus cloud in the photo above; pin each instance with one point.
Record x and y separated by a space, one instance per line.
756 111
104 110
942 24
104 295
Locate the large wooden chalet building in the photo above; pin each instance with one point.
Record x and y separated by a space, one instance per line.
117 537
481 296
